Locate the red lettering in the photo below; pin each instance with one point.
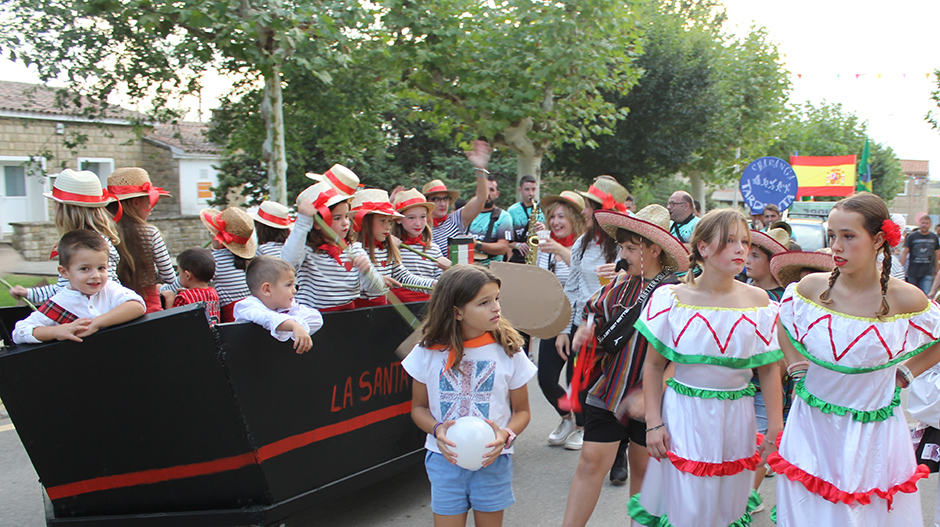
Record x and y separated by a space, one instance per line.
347 392
389 382
333 407
364 384
377 384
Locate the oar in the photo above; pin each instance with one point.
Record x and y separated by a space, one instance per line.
10 286
419 253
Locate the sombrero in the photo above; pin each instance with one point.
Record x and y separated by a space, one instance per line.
774 240
345 181
438 187
134 182
606 192
272 214
786 266
410 198
652 223
233 228
568 197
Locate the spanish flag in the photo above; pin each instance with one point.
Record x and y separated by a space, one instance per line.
824 175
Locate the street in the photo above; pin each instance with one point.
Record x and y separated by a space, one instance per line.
541 479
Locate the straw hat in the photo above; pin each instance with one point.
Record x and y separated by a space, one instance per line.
568 197
774 240
134 182
345 181
411 198
786 266
606 192
233 228
438 187
82 188
652 223
272 214
312 193
370 201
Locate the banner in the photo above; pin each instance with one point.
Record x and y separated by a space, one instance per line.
864 171
824 175
768 180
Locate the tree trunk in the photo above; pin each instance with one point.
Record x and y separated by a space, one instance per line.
698 188
273 150
528 153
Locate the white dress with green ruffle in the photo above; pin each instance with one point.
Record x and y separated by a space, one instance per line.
845 456
708 409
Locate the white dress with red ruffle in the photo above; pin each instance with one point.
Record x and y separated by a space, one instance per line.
708 409
845 455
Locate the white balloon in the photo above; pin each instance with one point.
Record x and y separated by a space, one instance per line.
471 434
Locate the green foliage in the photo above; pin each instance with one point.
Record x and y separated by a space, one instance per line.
829 130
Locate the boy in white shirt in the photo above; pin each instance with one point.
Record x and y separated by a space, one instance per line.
89 303
271 304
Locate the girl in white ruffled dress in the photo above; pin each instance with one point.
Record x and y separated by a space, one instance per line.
702 433
858 336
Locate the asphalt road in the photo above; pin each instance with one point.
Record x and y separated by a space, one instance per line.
542 476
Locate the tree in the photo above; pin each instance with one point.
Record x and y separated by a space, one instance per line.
829 130
526 74
159 49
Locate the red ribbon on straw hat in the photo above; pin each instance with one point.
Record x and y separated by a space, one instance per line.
152 192
607 200
370 207
222 236
275 219
338 184
84 198
322 208
402 205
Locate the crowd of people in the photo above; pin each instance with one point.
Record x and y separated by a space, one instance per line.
703 351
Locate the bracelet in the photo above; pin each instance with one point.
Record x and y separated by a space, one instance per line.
657 427
434 430
904 376
793 367
485 171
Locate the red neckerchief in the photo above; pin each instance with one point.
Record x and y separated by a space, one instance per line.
478 342
380 246
416 240
438 221
567 241
334 252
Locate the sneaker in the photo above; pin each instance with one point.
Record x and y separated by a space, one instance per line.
575 439
618 472
759 508
562 431
770 472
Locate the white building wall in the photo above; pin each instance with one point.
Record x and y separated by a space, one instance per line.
196 177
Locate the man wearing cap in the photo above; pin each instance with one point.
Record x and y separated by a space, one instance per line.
492 228
520 213
444 225
922 245
682 213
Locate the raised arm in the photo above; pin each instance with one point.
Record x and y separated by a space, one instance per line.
479 157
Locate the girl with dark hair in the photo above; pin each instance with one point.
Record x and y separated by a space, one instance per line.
853 340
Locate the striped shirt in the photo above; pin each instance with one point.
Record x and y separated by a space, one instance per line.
228 281
161 257
396 271
452 226
622 371
270 249
582 281
201 294
554 264
38 295
420 265
322 283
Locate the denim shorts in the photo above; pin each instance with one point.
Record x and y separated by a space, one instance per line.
456 490
760 412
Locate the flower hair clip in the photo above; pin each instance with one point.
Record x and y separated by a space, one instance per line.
892 232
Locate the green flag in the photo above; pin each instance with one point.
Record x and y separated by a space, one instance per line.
864 171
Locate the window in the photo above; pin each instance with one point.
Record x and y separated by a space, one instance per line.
14 181
102 167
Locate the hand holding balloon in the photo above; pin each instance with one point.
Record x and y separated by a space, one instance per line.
444 444
472 439
497 445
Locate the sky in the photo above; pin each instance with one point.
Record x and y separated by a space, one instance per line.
873 57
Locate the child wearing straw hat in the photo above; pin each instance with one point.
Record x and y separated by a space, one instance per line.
233 245
342 179
79 204
652 256
373 215
145 262
331 273
446 226
415 235
272 225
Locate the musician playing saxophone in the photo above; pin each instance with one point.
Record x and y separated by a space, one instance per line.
521 213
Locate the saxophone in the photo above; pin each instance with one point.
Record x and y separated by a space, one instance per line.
532 240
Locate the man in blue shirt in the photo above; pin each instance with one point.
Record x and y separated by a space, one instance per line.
492 228
682 213
520 213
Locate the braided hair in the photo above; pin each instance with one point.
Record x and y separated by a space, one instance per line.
715 223
874 212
